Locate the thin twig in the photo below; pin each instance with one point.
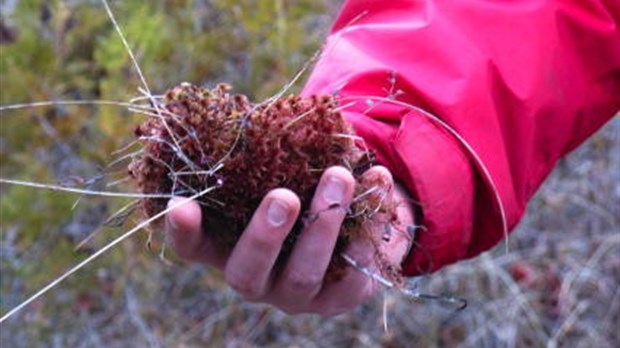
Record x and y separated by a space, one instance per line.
101 252
482 166
83 191
65 102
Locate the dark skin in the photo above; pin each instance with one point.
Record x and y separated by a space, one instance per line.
300 287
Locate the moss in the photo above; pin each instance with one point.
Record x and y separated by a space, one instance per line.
286 142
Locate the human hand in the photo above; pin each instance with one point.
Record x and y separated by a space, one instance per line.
300 286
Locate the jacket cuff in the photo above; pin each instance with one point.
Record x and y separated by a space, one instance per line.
432 165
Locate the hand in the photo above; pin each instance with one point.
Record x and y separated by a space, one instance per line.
300 286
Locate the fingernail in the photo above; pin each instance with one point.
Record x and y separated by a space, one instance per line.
172 224
277 214
334 190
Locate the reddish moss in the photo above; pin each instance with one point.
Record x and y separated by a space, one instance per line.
286 142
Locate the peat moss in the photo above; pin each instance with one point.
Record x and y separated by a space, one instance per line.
211 137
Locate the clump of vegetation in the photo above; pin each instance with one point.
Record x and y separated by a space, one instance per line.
199 138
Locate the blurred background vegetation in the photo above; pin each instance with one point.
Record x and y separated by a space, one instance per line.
558 285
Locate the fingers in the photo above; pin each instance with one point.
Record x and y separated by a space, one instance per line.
396 247
300 285
303 274
249 267
400 243
184 233
354 288
380 176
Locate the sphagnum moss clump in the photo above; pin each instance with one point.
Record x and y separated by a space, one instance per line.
210 137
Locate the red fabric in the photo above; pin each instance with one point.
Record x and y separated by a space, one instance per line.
522 82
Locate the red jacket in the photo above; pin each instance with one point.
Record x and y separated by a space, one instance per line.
514 85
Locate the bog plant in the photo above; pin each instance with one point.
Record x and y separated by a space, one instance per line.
199 138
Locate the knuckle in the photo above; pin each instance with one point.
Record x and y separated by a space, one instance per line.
244 285
263 240
327 222
367 292
304 283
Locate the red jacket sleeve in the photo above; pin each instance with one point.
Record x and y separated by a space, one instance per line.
515 86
